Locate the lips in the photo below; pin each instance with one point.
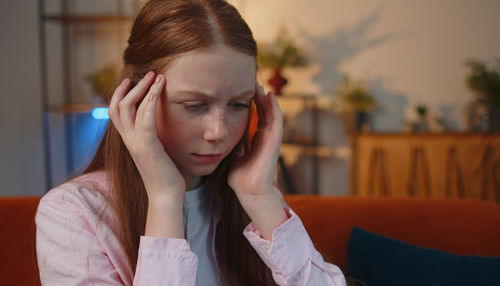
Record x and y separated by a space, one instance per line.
208 158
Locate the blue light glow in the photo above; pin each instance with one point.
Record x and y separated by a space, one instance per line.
100 113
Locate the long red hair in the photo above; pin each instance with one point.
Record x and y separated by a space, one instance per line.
162 30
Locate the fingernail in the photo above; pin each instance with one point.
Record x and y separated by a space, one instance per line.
158 78
149 74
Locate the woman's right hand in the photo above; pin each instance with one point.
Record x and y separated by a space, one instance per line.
162 179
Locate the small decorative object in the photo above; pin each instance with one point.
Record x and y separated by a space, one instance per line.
103 80
440 123
281 53
355 102
421 125
277 81
407 126
477 117
485 82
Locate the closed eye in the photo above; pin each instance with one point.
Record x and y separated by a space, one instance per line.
196 106
240 105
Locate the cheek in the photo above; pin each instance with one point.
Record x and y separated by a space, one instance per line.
237 127
171 129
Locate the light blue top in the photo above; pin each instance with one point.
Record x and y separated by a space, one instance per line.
197 222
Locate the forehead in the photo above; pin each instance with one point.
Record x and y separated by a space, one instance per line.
217 70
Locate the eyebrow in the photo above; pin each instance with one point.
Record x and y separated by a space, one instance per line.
202 94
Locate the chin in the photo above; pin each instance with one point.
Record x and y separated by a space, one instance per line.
198 171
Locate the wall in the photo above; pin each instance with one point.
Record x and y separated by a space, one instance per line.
21 152
408 52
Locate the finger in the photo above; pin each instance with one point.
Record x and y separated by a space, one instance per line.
260 103
149 120
146 113
277 123
127 106
119 93
277 116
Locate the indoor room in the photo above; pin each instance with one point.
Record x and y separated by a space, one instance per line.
319 142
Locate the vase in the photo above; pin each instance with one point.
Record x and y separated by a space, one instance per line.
277 81
356 122
420 125
362 121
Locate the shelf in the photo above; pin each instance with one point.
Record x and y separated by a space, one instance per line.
86 19
431 135
305 141
320 151
74 108
298 96
75 33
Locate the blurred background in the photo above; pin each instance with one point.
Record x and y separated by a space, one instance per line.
382 98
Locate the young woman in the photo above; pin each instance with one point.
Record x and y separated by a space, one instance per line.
180 191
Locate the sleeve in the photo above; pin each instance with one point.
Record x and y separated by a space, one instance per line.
291 255
158 256
70 253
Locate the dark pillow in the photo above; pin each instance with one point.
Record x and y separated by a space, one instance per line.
378 260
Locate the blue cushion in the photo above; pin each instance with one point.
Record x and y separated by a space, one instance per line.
378 260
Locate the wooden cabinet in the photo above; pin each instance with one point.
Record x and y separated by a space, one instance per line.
445 165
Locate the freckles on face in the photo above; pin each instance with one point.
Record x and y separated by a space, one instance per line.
206 108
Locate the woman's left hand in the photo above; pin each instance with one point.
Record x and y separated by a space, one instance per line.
251 175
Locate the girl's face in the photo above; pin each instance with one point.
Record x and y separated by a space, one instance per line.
206 108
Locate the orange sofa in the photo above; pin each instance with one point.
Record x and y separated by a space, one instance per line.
459 226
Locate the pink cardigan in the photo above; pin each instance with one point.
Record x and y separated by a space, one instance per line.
76 245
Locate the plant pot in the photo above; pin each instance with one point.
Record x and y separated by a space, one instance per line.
277 81
362 121
356 122
420 126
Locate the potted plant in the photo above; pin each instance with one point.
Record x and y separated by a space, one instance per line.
103 80
354 101
485 82
421 124
282 52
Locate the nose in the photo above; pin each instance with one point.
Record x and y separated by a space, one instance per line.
215 126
